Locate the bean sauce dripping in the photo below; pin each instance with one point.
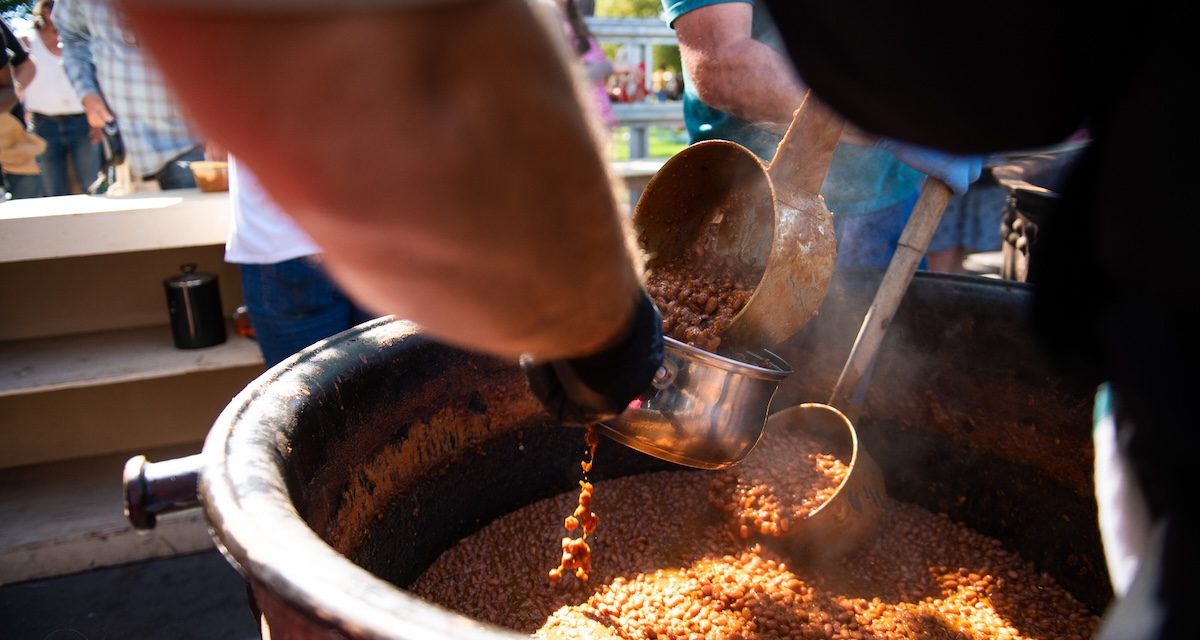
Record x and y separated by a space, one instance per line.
698 296
576 553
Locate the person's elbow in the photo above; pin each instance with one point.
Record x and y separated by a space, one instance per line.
715 84
23 73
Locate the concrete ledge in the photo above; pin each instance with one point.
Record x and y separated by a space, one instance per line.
636 174
81 225
66 517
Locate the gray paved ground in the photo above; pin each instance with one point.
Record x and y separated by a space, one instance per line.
190 597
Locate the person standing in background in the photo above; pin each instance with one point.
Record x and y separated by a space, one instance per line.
26 181
671 88
658 82
57 112
596 66
970 224
118 84
291 301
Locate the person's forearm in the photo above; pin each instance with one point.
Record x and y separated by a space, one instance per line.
747 79
25 72
732 86
456 186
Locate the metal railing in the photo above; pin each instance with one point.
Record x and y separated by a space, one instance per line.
637 38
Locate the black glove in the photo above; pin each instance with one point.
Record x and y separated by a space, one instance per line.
590 389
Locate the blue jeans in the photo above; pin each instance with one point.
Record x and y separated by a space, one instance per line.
23 186
868 240
174 175
972 221
294 304
67 144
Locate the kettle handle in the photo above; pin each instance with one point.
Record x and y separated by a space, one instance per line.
154 488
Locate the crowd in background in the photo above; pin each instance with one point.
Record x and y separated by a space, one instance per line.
91 103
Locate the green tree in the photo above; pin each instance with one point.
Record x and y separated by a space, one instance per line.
638 9
13 8
628 8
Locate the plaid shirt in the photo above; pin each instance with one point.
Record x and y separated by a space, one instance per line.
102 56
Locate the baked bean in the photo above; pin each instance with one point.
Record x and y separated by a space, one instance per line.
698 299
671 564
576 553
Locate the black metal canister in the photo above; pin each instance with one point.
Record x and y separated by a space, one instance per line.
194 304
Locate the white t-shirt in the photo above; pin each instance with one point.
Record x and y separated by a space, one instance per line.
259 232
50 92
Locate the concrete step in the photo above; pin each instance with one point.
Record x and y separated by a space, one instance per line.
65 517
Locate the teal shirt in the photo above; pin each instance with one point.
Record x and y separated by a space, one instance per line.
861 180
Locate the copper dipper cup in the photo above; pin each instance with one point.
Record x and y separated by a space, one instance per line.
770 218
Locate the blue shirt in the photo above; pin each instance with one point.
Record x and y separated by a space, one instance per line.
101 55
861 179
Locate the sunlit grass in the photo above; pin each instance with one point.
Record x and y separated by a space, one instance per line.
664 142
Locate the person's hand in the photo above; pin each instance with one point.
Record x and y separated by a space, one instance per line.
957 171
97 111
589 389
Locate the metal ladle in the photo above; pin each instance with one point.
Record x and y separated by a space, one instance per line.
913 243
845 521
768 217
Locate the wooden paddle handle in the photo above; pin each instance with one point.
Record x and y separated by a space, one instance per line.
803 156
914 240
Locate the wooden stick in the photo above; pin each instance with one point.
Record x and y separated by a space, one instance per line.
914 240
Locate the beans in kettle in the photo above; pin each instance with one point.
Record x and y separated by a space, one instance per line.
669 565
